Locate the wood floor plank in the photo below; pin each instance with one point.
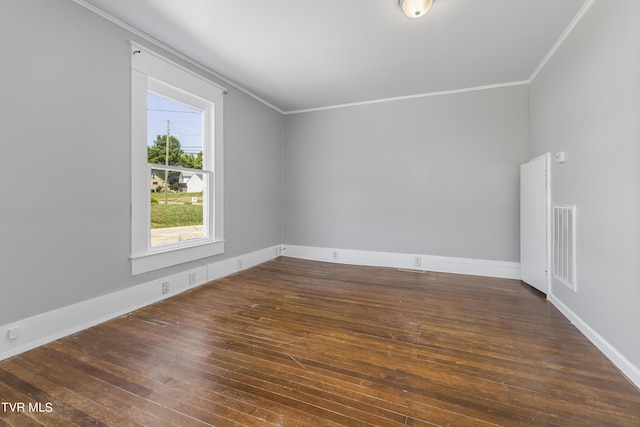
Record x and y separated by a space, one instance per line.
301 343
343 388
176 369
15 417
197 392
30 373
101 401
76 416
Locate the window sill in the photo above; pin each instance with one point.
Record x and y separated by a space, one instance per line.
147 262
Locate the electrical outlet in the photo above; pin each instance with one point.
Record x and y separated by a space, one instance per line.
417 261
13 333
165 288
192 278
335 255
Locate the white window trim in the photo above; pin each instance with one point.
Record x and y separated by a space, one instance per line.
147 68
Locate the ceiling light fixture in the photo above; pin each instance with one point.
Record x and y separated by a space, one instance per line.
415 8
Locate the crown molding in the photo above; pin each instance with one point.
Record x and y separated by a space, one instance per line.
419 95
563 36
173 51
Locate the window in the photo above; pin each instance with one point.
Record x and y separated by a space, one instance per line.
176 152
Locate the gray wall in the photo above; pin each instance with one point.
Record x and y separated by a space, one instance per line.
435 175
65 125
586 101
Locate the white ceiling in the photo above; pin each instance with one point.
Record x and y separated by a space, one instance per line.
307 54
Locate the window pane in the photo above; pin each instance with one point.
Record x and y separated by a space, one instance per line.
176 195
178 216
183 123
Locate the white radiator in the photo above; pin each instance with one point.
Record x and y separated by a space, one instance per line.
564 245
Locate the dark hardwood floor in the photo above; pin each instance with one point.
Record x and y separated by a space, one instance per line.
302 343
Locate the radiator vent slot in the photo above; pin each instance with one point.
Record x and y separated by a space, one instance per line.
564 245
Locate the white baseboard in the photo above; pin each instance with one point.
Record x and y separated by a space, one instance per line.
476 267
46 327
228 266
629 369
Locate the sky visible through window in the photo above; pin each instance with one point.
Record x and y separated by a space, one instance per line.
185 122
